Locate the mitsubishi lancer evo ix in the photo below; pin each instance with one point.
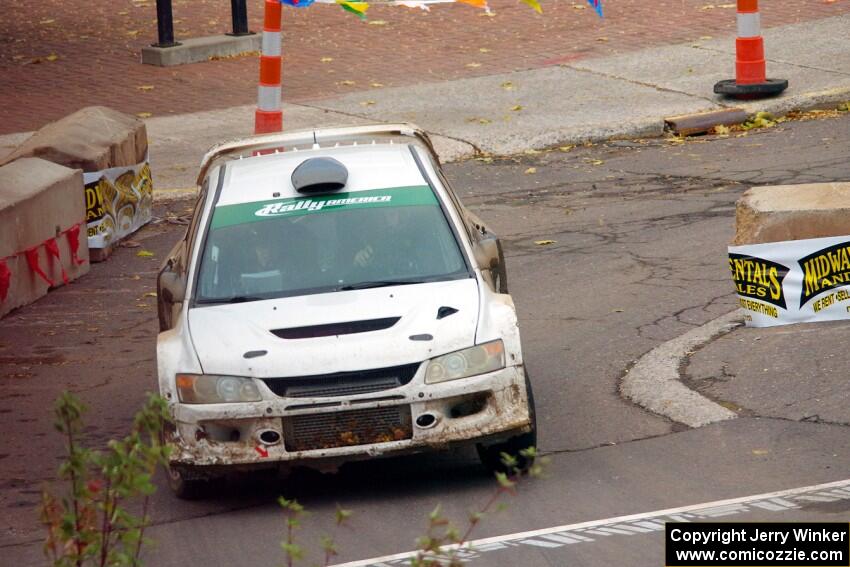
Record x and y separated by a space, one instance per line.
332 300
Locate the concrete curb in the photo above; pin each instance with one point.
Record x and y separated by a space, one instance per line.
654 382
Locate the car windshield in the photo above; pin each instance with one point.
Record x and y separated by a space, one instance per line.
326 243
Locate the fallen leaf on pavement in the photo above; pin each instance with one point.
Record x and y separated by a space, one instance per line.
484 50
367 103
326 59
721 130
47 22
150 294
346 83
144 253
544 242
566 148
144 114
52 57
376 85
145 87
508 86
760 451
531 171
516 107
378 22
473 65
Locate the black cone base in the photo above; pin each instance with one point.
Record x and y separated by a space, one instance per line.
771 87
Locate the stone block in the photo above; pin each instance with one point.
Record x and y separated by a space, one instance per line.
39 200
91 139
198 49
792 212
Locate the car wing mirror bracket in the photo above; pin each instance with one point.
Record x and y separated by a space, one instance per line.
488 255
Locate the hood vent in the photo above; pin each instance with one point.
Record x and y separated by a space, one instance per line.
333 329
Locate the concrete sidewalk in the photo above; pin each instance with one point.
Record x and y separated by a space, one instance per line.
593 100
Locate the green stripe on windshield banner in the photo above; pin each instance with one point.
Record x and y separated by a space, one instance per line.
229 215
757 544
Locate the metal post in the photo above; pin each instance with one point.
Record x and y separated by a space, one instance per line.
164 24
239 14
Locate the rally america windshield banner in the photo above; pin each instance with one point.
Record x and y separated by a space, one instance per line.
229 215
118 202
795 281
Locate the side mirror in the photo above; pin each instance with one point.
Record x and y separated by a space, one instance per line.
171 286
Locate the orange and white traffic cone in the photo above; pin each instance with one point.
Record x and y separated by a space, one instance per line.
750 70
269 116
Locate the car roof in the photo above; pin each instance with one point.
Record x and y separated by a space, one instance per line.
370 166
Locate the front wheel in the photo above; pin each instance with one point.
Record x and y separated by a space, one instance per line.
184 485
491 455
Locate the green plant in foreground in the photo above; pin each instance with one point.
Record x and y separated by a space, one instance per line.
292 551
444 544
90 524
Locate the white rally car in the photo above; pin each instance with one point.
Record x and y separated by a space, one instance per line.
332 300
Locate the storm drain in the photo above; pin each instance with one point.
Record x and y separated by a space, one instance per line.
347 428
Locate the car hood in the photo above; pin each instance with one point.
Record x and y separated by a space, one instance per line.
223 334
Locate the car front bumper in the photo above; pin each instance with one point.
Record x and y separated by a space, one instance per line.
325 432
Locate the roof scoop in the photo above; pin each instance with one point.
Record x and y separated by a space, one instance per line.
319 175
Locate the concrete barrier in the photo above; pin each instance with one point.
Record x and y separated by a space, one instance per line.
91 139
42 211
95 139
792 212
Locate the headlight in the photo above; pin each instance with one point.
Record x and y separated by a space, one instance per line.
211 389
471 361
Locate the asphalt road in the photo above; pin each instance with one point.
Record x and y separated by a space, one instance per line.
639 257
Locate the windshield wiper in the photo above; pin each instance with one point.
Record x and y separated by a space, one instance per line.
234 299
378 283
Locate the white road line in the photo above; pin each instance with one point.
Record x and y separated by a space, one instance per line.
654 382
491 542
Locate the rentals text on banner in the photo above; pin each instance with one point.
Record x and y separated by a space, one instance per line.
793 281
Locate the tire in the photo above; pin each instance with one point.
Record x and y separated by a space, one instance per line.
491 455
184 485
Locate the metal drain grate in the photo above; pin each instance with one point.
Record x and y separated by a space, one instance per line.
347 428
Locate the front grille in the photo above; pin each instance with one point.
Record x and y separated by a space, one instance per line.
347 428
342 383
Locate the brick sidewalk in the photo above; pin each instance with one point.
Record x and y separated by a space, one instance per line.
59 55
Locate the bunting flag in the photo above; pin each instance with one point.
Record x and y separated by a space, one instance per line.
358 8
5 279
53 251
51 247
73 235
33 262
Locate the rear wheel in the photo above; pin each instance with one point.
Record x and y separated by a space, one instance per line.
491 455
